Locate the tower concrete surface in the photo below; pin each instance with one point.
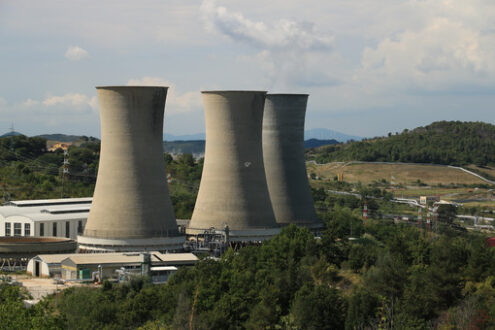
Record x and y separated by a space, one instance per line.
283 155
233 190
131 207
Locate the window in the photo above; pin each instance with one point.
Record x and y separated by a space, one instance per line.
17 229
67 229
79 227
54 231
42 229
27 229
7 229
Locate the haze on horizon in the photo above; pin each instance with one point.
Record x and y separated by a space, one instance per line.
370 67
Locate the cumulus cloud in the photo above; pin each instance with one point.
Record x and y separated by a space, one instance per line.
30 103
283 33
176 102
71 99
76 53
443 53
286 45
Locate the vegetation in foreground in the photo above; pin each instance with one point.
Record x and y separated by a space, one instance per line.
389 276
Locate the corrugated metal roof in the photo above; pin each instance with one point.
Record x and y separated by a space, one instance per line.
52 217
10 210
130 258
66 209
53 258
45 202
171 257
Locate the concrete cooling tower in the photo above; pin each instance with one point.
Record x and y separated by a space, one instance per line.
131 207
283 154
233 190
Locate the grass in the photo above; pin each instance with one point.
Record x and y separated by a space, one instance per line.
404 174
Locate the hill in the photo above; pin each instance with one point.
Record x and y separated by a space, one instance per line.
314 143
316 133
197 148
328 134
63 137
399 173
444 142
11 133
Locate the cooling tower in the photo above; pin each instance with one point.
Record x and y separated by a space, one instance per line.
131 207
283 154
233 190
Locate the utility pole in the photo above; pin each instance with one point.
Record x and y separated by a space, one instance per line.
65 171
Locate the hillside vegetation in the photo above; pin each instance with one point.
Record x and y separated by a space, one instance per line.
29 171
444 142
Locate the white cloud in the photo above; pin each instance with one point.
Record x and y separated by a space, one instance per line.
76 53
70 99
287 46
283 33
30 103
442 54
176 102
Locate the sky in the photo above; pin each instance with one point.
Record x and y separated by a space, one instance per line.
370 66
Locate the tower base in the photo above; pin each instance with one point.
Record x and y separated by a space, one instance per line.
242 235
96 244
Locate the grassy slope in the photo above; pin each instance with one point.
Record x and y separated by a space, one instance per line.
402 173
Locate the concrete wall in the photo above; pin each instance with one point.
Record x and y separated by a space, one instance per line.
233 188
44 269
131 198
283 154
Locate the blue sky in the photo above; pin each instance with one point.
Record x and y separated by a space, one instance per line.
370 66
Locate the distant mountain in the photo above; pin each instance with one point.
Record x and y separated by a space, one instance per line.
314 143
62 137
328 134
12 133
187 137
316 133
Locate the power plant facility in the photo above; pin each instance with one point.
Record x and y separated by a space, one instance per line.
283 156
131 209
254 180
233 195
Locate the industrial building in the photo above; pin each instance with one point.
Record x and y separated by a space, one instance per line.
233 194
114 265
283 156
46 265
44 218
131 209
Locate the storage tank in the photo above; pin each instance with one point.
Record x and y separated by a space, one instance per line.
283 154
233 190
131 207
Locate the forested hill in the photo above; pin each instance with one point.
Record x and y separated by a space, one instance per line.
444 142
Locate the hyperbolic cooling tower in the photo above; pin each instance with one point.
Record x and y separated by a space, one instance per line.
233 188
131 207
283 154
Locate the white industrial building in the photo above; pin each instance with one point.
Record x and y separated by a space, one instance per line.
64 217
